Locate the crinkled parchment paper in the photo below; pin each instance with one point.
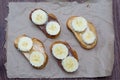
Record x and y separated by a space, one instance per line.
97 62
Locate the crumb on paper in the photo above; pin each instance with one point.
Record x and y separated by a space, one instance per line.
88 5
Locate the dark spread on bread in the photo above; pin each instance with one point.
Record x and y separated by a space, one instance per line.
71 52
51 17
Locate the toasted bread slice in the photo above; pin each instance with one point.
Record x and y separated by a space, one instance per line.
37 46
51 17
71 52
78 36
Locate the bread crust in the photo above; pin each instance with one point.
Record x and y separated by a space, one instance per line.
37 44
51 17
77 34
72 52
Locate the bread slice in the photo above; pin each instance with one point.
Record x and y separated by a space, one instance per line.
77 34
71 51
37 46
51 17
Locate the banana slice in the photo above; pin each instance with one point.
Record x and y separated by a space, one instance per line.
53 28
70 64
59 51
39 17
25 44
79 24
88 37
37 59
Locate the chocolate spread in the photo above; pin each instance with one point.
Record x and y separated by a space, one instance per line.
70 53
51 17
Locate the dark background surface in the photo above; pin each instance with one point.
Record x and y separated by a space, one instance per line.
116 20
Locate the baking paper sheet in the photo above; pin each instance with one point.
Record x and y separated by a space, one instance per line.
97 62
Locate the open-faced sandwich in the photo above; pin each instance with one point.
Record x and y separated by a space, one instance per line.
83 30
66 57
33 50
47 23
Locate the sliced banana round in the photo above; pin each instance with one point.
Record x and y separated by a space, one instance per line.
37 59
88 37
70 64
59 51
25 44
79 24
53 28
39 17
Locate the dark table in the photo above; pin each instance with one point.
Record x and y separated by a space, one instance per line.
116 20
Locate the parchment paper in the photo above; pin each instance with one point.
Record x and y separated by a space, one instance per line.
97 62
